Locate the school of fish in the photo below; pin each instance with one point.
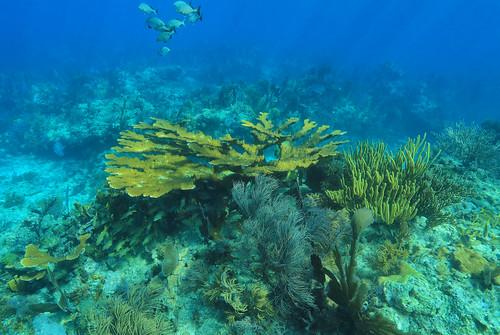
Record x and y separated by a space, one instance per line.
166 30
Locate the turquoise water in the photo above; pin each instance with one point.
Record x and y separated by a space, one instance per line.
310 167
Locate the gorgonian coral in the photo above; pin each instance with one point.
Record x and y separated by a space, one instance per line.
280 237
471 144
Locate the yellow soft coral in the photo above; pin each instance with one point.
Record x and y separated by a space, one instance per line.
160 157
387 183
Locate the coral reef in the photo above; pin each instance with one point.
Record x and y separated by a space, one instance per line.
235 258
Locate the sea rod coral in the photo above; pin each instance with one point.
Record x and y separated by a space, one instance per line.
386 183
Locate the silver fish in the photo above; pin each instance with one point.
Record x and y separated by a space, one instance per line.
164 51
184 8
193 18
164 36
174 24
147 9
166 28
156 23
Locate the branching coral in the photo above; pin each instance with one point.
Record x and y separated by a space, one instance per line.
470 144
438 190
387 183
38 225
161 157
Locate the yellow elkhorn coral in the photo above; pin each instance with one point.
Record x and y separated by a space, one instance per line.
34 257
160 157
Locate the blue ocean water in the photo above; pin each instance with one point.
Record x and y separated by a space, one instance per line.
457 40
77 76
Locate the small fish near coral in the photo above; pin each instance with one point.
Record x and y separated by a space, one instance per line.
167 30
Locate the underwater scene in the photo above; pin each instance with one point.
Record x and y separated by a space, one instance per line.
249 167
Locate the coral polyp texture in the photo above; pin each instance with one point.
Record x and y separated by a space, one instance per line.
160 157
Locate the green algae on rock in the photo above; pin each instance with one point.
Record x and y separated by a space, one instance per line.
470 261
